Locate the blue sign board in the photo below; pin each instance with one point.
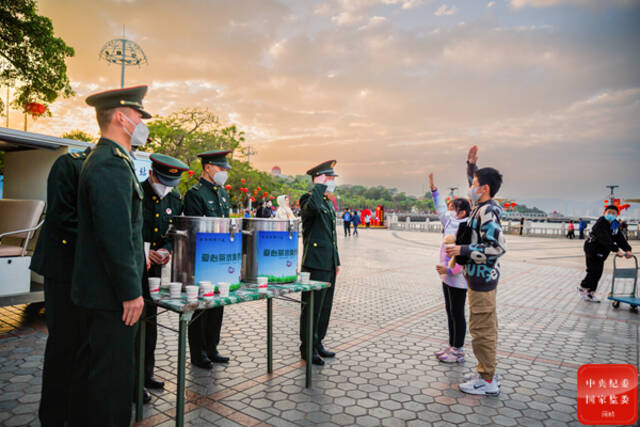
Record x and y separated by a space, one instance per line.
278 256
218 258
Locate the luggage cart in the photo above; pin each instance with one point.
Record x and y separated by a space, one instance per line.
625 273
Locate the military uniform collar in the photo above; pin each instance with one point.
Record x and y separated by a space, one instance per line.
146 186
209 185
116 145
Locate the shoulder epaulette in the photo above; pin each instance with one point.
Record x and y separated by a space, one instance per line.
122 155
176 195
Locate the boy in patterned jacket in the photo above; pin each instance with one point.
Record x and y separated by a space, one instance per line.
482 270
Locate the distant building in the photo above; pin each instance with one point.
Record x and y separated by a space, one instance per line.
276 172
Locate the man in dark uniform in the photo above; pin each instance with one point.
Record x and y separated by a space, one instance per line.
160 204
109 262
208 198
320 256
605 237
53 259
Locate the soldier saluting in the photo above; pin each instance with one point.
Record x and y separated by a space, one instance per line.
320 255
109 261
208 197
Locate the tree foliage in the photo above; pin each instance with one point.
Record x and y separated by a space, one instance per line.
186 133
32 59
360 197
79 135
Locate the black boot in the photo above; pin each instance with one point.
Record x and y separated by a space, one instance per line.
218 358
151 382
202 362
315 357
323 352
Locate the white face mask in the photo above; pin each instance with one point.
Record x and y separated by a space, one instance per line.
220 177
474 194
140 133
160 189
331 186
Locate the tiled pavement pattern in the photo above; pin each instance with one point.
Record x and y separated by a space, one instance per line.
388 319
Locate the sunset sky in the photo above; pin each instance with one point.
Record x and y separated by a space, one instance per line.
392 89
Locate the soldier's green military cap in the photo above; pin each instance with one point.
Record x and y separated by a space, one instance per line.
325 168
215 157
127 97
167 169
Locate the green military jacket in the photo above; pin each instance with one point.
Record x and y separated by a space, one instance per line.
109 259
158 215
206 199
319 230
55 249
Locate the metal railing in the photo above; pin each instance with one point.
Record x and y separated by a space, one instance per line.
529 230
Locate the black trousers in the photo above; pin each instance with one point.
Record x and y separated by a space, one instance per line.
595 265
347 228
204 333
103 382
454 300
62 344
322 304
151 331
581 234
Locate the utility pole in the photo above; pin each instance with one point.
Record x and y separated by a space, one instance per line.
611 195
249 153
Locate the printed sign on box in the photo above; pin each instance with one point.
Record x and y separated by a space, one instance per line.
278 256
218 258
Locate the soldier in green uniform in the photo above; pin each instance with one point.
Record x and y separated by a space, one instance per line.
320 254
53 259
109 262
160 204
208 198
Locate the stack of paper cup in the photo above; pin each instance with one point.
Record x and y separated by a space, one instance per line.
165 275
206 290
192 293
154 287
305 276
200 283
224 288
175 289
263 281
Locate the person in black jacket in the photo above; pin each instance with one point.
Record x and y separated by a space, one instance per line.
605 237
53 258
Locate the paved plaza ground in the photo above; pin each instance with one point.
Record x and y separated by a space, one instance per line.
388 320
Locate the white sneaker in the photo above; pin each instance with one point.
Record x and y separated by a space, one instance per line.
591 296
474 375
480 387
581 291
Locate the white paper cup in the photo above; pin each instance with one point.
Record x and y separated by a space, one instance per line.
224 288
305 276
154 286
263 281
206 290
202 282
175 289
192 293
